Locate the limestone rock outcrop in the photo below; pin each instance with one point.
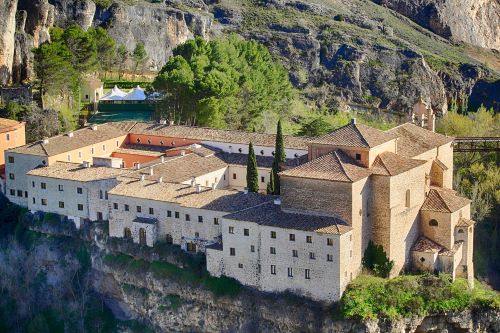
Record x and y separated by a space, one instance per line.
473 21
40 18
69 12
7 28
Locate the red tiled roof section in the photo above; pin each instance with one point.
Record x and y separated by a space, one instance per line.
424 244
444 200
6 124
464 223
210 134
390 164
414 140
336 166
354 135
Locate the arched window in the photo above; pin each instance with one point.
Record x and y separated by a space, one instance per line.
433 223
138 140
240 150
408 195
127 233
262 152
460 231
162 143
149 141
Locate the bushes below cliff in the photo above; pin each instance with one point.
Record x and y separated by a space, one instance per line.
409 295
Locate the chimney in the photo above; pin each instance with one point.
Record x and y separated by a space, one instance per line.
245 191
171 122
353 121
198 188
45 141
70 134
162 159
150 171
163 121
193 181
160 180
86 164
277 201
138 166
143 177
94 127
230 149
213 186
183 152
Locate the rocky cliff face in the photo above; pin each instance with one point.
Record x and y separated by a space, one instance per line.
473 21
7 28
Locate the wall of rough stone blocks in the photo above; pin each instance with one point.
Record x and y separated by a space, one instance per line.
361 220
442 233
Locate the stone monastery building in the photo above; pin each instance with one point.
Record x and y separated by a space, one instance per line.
185 185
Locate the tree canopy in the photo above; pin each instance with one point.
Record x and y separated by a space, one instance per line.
225 83
252 173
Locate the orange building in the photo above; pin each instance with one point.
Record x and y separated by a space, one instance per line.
12 134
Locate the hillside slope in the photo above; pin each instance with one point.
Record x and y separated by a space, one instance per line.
337 51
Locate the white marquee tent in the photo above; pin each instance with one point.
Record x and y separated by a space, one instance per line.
114 95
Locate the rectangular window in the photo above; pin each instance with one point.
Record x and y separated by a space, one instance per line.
115 205
43 186
101 195
232 251
197 235
103 147
177 215
246 232
25 194
126 208
34 200
11 159
80 207
240 265
252 248
92 150
273 234
69 158
60 187
151 211
329 242
234 176
44 202
262 179
216 220
329 257
105 195
169 213
61 204
295 253
200 219
307 274
273 269
312 256
358 157
231 230
12 191
12 176
33 184
7 137
80 155
292 237
20 193
117 143
290 272
79 190
272 250
188 218
99 216
309 239
139 209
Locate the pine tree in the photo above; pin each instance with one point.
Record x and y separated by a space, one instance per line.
252 174
279 157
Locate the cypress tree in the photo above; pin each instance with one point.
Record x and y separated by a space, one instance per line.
270 184
279 157
252 174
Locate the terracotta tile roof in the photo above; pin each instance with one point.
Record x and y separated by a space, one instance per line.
390 164
74 171
138 151
262 161
180 168
211 134
444 200
464 223
62 143
201 150
335 166
187 196
271 214
424 244
354 135
415 140
6 124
